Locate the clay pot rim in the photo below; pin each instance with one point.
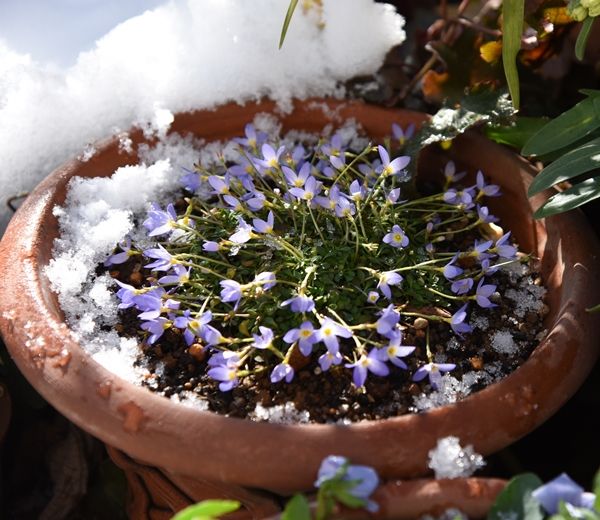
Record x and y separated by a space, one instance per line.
126 403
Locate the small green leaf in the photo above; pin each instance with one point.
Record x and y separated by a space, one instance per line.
569 199
582 39
349 500
207 509
567 128
590 92
578 161
513 12
296 509
287 20
517 133
516 499
596 308
597 477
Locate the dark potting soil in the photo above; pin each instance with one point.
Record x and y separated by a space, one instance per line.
502 339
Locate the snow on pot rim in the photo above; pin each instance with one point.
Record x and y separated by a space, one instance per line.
206 445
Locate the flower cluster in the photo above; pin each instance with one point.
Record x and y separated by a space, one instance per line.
309 248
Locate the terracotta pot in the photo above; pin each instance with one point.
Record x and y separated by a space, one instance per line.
285 458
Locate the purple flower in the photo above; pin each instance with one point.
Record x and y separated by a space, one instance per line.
333 147
304 335
231 291
156 328
282 371
336 467
311 189
386 279
401 136
329 333
391 167
331 201
396 237
210 335
190 181
491 190
262 226
457 321
160 222
192 326
483 214
357 191
153 305
483 293
452 271
480 249
221 186
225 357
211 247
395 350
270 158
233 203
328 359
300 303
255 200
458 198
252 139
462 286
372 297
388 321
163 259
393 196
263 340
366 364
296 180
504 250
181 276
344 208
266 280
227 374
243 233
123 256
488 269
563 489
434 371
450 173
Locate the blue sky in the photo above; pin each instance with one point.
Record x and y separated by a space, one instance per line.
57 30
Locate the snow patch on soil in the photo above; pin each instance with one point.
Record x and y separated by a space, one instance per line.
449 460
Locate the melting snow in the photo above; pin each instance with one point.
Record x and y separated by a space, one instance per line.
449 460
184 55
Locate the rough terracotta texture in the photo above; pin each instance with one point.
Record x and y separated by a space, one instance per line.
284 458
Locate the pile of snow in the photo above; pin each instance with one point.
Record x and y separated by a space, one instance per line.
184 55
449 460
282 414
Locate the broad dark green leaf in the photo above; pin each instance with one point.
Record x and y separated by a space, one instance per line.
516 134
567 128
578 161
590 92
287 20
583 36
572 198
516 499
296 509
513 12
207 509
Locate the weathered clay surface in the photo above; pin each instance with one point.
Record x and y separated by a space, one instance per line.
285 458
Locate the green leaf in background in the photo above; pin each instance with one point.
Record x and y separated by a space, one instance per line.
578 161
567 128
516 500
296 509
516 134
569 199
597 477
513 12
207 509
586 27
288 19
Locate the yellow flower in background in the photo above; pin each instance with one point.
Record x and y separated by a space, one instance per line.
491 51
